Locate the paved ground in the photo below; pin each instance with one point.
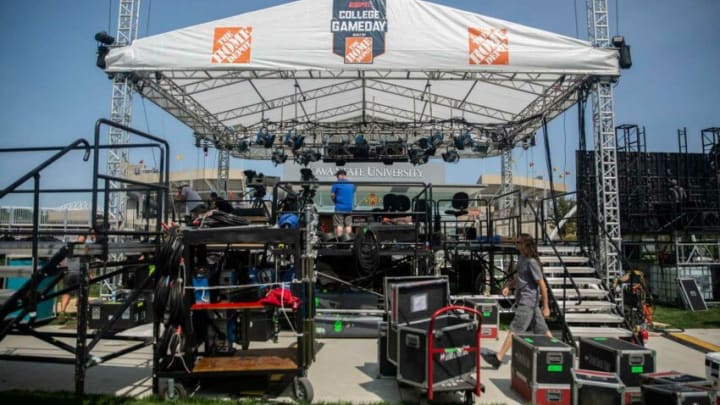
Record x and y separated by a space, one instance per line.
345 370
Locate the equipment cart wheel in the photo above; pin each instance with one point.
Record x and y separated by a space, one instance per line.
173 391
302 390
469 398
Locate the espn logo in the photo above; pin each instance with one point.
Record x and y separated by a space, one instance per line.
488 46
358 50
232 45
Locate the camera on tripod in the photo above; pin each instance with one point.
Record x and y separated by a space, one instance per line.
256 182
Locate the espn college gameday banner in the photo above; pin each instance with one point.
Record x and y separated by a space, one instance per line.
363 34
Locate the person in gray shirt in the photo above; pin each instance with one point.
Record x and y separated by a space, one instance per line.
530 295
193 203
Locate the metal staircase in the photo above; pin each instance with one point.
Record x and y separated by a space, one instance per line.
588 310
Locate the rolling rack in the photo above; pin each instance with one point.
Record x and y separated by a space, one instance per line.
274 366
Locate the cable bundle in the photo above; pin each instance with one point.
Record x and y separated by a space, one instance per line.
221 219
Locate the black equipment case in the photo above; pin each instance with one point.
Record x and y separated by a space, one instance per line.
675 377
488 308
591 387
385 368
438 346
614 355
392 334
676 394
540 369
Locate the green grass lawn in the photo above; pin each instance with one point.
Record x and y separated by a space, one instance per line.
685 319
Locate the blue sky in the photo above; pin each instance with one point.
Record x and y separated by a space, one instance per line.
52 93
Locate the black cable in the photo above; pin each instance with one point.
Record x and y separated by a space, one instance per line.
548 160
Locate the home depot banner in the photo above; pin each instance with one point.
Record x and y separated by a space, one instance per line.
364 34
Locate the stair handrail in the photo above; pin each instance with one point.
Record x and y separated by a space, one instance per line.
35 174
566 275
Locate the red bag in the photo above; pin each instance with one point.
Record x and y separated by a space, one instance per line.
281 297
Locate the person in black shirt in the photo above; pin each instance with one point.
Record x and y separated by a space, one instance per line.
220 203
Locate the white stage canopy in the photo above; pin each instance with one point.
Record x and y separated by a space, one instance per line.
391 70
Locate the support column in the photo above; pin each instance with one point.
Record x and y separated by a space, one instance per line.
605 141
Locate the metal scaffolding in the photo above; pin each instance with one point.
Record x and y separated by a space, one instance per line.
121 111
603 110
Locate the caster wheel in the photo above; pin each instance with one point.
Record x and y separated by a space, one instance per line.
302 390
177 393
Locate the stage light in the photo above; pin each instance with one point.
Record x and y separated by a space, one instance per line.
104 38
461 141
294 140
243 146
417 156
102 52
436 139
264 138
625 58
278 157
481 148
451 156
307 157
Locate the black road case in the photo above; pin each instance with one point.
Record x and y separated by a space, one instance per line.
675 394
438 346
389 283
488 308
614 355
540 369
590 387
675 377
385 368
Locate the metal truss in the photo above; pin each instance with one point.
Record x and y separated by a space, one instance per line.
121 111
605 151
176 92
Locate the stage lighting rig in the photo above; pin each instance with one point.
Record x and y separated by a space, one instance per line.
278 157
417 156
243 146
294 140
361 150
103 48
623 50
461 141
307 156
451 156
264 138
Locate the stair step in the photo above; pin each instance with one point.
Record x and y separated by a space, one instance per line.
584 292
593 331
578 280
571 269
586 305
565 259
565 250
594 318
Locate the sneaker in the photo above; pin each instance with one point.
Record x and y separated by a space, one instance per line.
491 359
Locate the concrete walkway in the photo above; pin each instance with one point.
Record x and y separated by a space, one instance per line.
345 370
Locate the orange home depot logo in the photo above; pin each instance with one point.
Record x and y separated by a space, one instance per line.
488 46
358 50
232 45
